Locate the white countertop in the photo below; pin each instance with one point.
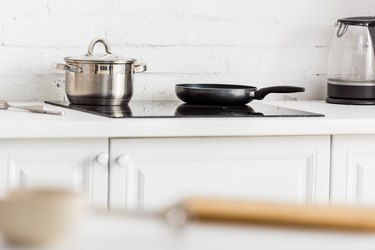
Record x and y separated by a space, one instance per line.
339 119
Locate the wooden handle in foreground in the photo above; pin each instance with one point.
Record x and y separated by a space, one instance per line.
336 217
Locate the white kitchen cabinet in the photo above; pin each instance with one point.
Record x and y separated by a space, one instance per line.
353 169
152 173
73 164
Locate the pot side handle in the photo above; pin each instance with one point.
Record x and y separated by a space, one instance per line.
261 93
68 67
139 68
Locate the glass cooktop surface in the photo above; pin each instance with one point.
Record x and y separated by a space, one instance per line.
177 109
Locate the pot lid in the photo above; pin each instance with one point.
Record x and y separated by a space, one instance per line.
360 20
92 57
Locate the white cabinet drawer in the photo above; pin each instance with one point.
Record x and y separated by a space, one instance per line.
64 163
155 172
353 169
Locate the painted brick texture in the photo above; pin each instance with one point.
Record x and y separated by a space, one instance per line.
261 43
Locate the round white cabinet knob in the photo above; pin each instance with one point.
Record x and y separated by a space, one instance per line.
123 160
102 159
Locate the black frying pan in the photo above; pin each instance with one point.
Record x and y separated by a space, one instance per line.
227 94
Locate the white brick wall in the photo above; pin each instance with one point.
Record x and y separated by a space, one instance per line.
261 42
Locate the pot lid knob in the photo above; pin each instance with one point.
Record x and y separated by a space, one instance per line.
92 44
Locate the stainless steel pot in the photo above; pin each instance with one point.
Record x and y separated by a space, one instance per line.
100 79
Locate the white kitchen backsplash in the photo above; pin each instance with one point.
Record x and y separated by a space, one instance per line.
263 42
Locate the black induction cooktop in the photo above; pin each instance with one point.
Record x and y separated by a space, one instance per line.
177 109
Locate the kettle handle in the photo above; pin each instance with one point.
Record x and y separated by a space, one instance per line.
342 29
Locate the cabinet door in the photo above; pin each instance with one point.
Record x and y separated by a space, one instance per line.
154 173
60 163
353 169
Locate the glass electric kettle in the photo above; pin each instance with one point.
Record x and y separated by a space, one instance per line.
351 65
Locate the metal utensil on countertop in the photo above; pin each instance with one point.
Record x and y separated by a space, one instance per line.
34 109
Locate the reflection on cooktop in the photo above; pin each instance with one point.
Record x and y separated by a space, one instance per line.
200 110
171 109
111 111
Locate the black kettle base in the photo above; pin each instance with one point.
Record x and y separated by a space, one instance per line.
350 101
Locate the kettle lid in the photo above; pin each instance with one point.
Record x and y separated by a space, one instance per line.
360 21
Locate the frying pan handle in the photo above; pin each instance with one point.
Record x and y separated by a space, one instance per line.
261 93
